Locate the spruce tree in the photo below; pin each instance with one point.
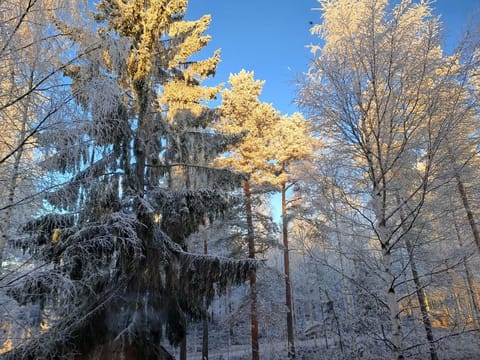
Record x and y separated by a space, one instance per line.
116 275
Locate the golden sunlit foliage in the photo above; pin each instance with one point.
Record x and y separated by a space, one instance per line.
270 141
243 112
292 141
162 44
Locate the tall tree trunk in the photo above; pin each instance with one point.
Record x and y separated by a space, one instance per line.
471 293
286 263
422 300
6 219
335 319
392 301
141 138
253 274
205 321
468 210
324 318
228 310
347 299
183 348
205 340
419 290
410 310
397 336
384 236
468 273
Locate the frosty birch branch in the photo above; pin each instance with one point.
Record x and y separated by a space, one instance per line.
30 5
36 86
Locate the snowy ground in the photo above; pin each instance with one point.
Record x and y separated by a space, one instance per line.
271 351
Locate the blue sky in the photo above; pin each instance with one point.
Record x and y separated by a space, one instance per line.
270 38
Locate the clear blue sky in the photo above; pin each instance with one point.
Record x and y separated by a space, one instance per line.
270 38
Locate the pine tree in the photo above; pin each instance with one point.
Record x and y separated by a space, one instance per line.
116 273
243 113
292 142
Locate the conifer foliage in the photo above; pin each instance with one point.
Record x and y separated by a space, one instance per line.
116 273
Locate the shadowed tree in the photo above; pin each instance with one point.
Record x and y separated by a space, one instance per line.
116 277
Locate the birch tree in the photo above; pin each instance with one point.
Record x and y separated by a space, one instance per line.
378 89
31 61
339 246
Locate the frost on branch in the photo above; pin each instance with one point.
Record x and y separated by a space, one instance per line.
86 286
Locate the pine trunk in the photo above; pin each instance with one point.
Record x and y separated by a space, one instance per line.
205 340
205 321
183 348
288 289
140 139
253 275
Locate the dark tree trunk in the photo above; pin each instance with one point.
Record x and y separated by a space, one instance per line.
253 274
205 340
127 352
286 263
422 300
205 321
141 137
420 292
183 348
468 210
468 273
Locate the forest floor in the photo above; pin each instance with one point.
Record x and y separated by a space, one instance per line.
268 351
